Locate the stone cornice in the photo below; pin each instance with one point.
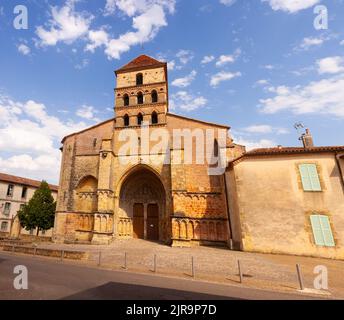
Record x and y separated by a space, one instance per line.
137 88
144 105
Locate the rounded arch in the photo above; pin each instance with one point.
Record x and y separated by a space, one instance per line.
154 96
154 118
85 198
134 169
139 97
126 100
139 119
139 79
88 182
126 120
142 199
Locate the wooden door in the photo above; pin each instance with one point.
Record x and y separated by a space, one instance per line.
138 221
153 222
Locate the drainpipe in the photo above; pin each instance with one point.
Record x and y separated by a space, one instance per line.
338 156
228 215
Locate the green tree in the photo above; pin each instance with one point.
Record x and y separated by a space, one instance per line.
40 211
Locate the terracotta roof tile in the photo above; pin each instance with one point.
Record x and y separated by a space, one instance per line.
142 61
288 151
24 181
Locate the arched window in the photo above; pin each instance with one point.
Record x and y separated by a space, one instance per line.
216 148
126 100
139 79
126 120
140 98
154 118
154 96
139 119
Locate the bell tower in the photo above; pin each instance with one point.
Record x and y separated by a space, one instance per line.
141 93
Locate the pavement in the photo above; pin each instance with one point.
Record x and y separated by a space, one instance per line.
51 279
218 265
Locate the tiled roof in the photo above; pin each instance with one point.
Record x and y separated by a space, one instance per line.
288 151
24 181
142 61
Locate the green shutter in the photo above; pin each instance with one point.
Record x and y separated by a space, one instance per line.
310 177
306 182
314 177
317 233
322 231
327 232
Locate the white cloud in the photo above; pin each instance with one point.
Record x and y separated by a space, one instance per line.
331 65
186 101
65 25
171 65
265 129
87 112
307 43
291 6
185 56
320 97
225 59
216 79
269 67
227 2
207 59
83 64
24 49
31 137
262 82
97 38
146 26
342 43
251 144
185 81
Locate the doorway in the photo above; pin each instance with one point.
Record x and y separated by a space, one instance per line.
153 222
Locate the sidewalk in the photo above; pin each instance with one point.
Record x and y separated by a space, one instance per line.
264 271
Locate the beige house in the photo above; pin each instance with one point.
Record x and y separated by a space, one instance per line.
14 193
288 200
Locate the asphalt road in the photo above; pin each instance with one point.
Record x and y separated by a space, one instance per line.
52 279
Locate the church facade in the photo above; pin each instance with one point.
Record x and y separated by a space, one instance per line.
115 186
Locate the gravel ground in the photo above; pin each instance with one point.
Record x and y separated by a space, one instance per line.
266 271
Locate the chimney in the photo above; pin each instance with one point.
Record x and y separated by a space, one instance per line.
307 139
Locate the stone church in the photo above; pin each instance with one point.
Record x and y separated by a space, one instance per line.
102 198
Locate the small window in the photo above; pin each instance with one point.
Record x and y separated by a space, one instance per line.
140 98
310 178
154 96
139 119
10 190
31 231
216 148
154 118
7 209
43 232
322 231
4 226
139 79
94 142
24 192
126 120
126 100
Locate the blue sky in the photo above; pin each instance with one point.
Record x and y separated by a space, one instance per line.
259 66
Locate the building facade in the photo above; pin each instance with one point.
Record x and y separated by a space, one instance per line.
288 200
146 193
14 193
278 200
